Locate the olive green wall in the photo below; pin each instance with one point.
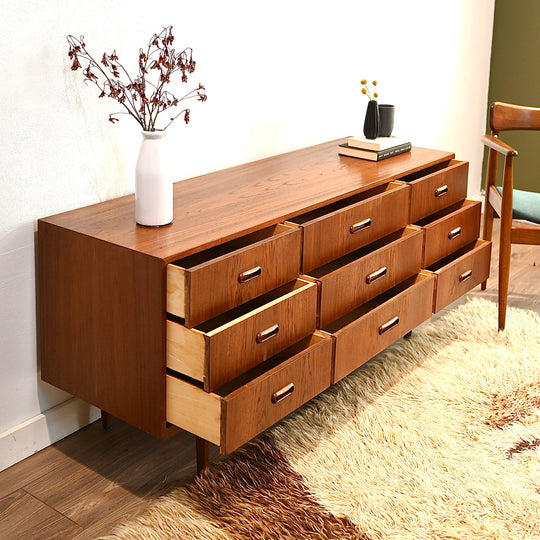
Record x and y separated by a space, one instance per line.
515 78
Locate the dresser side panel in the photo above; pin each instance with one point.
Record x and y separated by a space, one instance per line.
101 312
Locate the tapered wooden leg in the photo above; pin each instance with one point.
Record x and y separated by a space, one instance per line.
408 335
505 253
487 230
203 454
106 420
491 179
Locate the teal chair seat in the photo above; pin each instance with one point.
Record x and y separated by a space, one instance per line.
526 205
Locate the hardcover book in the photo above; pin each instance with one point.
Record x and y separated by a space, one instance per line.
380 143
373 155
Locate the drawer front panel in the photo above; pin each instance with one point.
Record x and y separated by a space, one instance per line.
221 354
452 232
439 190
357 282
350 228
381 326
462 274
221 284
262 402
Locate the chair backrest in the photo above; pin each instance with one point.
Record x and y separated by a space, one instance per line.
505 116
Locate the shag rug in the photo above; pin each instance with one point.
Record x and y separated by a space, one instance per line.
438 437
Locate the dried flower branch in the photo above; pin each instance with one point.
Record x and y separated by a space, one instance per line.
140 97
365 89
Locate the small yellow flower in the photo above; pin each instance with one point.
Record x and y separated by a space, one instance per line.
375 95
374 83
364 90
363 81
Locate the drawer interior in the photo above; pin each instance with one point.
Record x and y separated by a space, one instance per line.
427 171
192 261
469 248
362 252
446 212
340 205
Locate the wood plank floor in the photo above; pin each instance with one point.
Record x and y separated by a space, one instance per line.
82 486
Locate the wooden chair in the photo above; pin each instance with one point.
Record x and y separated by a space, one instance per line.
508 203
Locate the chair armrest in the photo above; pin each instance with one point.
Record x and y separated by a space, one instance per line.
494 142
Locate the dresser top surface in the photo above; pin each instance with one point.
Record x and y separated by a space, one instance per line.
222 205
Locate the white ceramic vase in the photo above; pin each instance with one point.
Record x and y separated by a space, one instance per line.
153 182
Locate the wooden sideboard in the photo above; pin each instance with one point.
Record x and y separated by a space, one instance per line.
276 279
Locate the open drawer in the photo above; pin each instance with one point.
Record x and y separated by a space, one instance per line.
434 190
222 348
460 272
339 228
348 282
235 413
369 329
208 283
450 229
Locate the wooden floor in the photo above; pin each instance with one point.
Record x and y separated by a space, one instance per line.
85 484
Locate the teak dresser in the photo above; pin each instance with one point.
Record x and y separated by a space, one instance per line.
276 279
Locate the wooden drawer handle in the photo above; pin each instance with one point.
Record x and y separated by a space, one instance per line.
440 191
360 226
465 275
454 233
387 326
283 393
376 275
252 273
265 335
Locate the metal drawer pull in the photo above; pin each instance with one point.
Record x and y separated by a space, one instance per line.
465 275
440 191
265 335
360 226
283 393
387 326
454 233
376 275
252 273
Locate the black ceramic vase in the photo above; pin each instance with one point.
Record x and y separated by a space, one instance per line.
372 121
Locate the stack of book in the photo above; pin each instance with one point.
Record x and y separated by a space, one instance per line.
374 149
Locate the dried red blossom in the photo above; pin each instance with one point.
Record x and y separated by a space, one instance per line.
108 74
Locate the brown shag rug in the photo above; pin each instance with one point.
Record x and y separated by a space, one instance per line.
438 437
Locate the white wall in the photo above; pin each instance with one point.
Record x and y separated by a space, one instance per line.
279 76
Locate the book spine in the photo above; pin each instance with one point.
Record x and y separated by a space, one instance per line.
393 151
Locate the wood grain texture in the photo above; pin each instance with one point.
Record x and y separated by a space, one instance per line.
220 206
412 306
449 287
327 231
102 326
250 409
423 190
459 226
224 350
343 284
215 286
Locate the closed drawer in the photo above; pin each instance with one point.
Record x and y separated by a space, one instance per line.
221 349
342 227
208 283
437 190
451 229
366 331
347 282
240 410
460 272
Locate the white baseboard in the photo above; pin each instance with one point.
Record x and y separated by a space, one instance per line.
44 429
